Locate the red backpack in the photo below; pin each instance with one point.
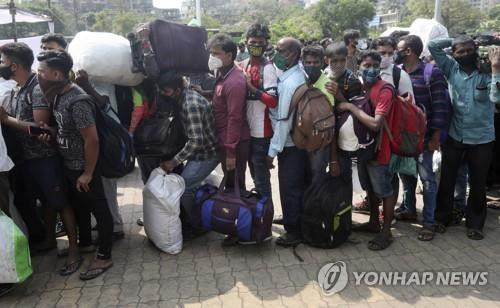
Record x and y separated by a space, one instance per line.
408 126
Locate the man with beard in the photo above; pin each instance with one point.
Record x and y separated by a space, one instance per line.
38 168
78 143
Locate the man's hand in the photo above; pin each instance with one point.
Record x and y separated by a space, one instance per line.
168 165
230 164
494 56
332 87
334 168
3 114
342 107
270 160
82 78
47 137
82 183
435 141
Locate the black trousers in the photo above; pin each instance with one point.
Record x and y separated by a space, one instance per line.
85 203
478 158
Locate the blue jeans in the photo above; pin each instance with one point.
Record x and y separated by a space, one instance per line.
461 188
257 164
292 175
193 174
429 183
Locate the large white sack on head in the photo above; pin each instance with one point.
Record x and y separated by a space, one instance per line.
161 199
106 57
107 89
428 30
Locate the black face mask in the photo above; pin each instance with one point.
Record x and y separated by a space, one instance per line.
467 60
313 73
399 57
5 72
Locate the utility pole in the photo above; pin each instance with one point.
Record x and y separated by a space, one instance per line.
198 11
437 11
12 11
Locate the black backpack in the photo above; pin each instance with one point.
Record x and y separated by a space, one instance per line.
327 217
116 149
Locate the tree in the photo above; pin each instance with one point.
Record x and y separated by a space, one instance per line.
458 15
492 22
126 22
335 16
102 22
298 23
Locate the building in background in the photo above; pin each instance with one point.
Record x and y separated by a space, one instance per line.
484 5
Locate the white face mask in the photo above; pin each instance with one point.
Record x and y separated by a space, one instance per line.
386 62
214 63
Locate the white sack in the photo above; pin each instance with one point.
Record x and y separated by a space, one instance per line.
106 57
428 30
161 198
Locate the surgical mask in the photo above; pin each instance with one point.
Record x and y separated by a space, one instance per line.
386 62
467 60
370 75
214 63
51 88
337 70
280 61
313 73
399 57
5 72
256 51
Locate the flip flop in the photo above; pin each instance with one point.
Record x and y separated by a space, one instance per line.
70 268
494 205
426 234
380 242
365 227
94 272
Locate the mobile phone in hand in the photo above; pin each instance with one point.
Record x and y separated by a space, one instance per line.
37 131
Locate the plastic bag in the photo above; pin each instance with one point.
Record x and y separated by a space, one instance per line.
404 165
106 57
15 261
427 30
161 198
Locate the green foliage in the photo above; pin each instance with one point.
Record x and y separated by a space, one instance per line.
297 23
458 15
335 16
64 21
492 22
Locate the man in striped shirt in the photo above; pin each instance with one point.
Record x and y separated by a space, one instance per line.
430 90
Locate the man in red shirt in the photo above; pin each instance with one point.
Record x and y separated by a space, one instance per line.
261 96
375 174
229 101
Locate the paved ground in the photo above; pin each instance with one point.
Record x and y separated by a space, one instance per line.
207 275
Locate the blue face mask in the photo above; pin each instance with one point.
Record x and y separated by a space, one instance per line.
370 75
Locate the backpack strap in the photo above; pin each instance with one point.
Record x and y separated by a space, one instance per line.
428 74
396 76
297 96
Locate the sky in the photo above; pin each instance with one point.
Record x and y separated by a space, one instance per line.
167 4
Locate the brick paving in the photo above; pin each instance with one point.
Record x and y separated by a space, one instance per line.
208 275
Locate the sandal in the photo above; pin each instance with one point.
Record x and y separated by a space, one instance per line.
439 228
405 216
426 234
366 227
94 272
494 205
70 268
380 242
474 234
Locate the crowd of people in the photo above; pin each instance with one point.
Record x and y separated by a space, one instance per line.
51 149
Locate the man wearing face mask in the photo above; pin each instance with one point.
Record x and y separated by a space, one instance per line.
471 133
312 60
39 167
351 38
200 150
229 102
374 175
261 97
430 92
78 144
292 162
